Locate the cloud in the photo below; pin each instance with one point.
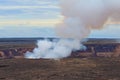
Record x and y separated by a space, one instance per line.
111 31
27 7
29 2
32 22
29 12
22 31
34 18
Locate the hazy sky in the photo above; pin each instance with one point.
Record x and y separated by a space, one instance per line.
37 18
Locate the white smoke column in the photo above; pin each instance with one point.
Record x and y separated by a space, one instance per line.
54 50
80 17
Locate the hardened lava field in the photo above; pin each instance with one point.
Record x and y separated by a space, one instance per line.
64 69
100 61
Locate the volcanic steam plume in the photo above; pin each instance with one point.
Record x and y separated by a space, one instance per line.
80 17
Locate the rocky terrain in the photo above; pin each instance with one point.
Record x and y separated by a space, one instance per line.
64 69
99 61
17 47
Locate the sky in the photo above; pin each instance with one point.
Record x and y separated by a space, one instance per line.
38 18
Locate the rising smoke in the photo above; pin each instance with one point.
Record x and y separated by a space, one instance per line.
80 17
55 49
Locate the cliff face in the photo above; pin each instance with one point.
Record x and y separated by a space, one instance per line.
16 48
117 51
14 53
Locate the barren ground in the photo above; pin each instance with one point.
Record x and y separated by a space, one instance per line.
65 69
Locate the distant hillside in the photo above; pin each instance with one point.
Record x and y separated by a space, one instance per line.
102 41
87 40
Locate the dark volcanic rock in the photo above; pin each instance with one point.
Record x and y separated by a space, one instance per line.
65 69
